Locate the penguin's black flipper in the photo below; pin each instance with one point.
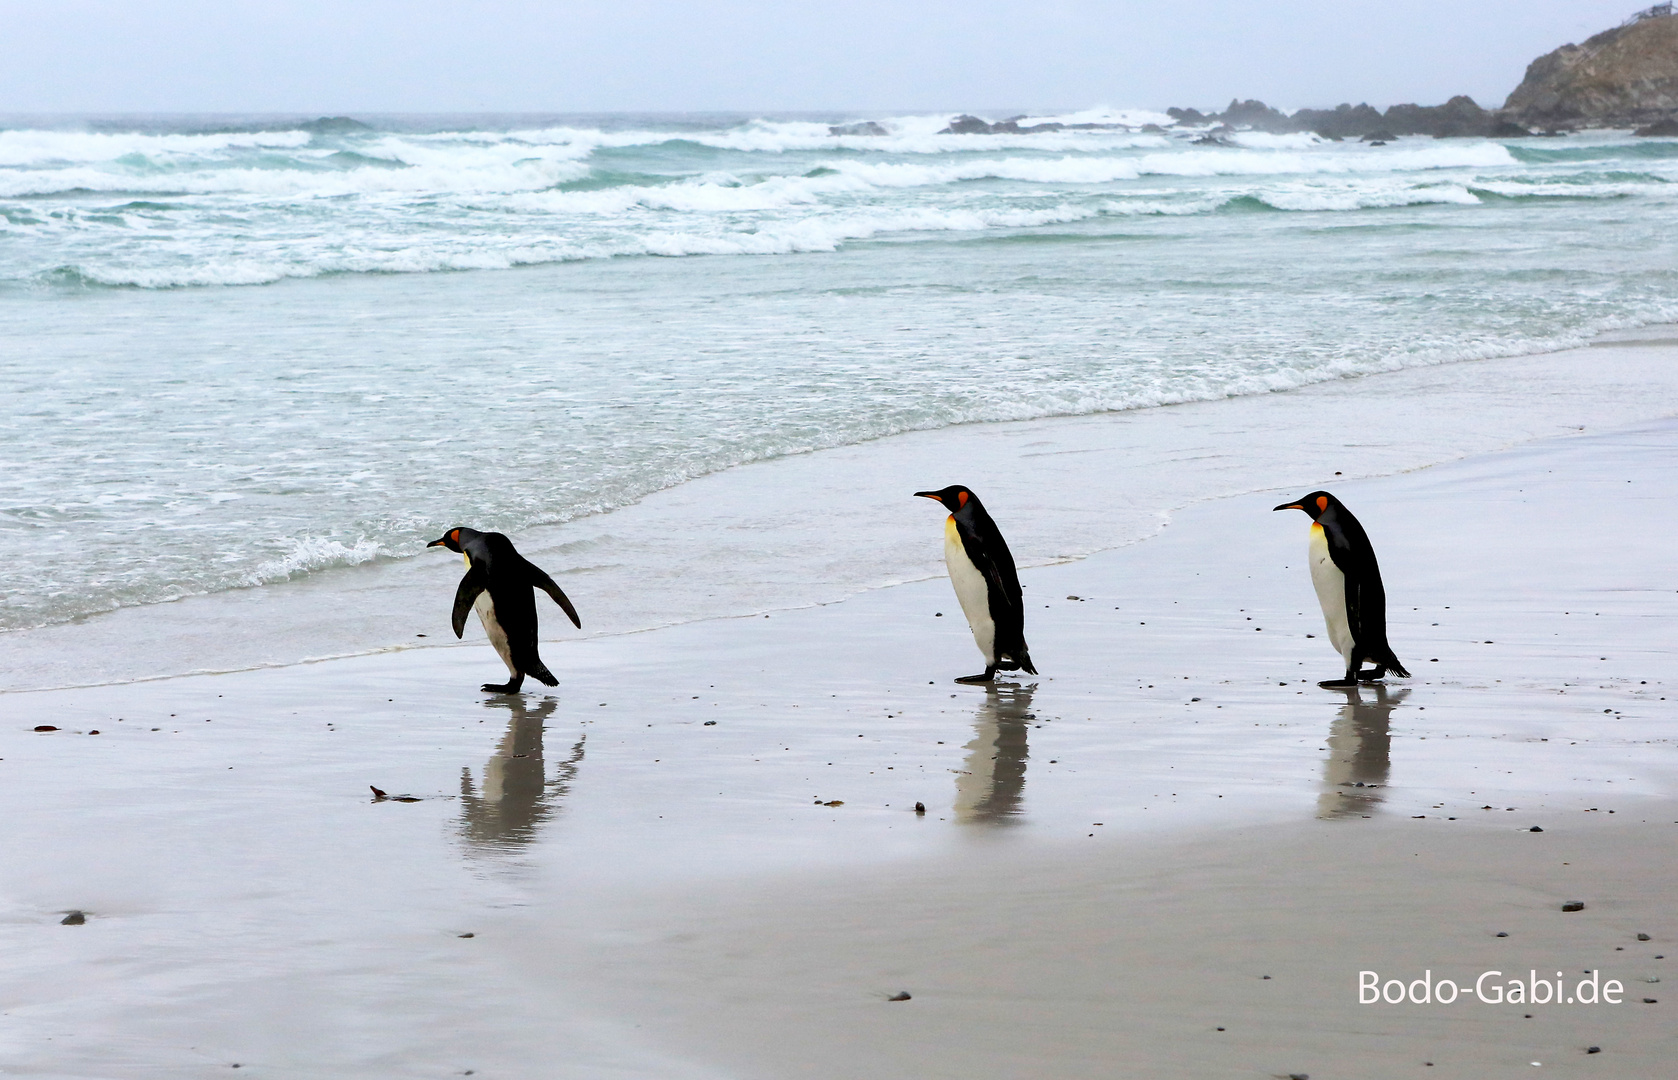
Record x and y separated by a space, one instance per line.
989 553
541 580
542 675
475 582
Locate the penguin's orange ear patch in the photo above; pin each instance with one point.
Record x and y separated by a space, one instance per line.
455 536
961 497
1322 503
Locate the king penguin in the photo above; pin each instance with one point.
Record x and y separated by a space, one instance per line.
982 571
498 585
1348 584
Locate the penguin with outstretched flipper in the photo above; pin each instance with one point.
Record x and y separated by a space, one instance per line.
498 586
982 571
1348 584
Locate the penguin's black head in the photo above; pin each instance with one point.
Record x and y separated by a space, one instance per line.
955 497
452 538
1316 504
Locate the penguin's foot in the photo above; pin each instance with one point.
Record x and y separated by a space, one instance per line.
509 687
989 674
1372 675
1338 684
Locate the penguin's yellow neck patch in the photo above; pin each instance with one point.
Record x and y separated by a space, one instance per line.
1316 526
950 527
467 557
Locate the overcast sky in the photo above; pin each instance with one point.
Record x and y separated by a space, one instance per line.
862 56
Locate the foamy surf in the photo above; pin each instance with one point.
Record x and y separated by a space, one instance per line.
521 324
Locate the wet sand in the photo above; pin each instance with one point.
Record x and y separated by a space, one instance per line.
1113 856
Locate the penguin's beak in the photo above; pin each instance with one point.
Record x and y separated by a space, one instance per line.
437 543
1286 506
933 495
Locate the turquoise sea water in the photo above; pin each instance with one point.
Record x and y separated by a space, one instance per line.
243 350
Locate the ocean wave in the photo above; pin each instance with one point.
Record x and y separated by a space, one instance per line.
481 177
308 554
26 148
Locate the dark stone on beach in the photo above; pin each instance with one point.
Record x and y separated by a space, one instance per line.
1574 905
75 918
1642 937
863 127
1535 829
1299 1076
967 125
1650 1001
710 723
920 808
466 935
901 995
1593 1049
1660 128
45 727
1503 933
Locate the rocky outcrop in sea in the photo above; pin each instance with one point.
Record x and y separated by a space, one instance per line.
1624 77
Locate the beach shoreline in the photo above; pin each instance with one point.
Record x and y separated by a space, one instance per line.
820 527
698 856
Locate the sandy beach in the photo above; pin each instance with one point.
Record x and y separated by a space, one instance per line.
1170 854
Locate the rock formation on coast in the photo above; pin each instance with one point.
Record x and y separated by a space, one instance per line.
1624 77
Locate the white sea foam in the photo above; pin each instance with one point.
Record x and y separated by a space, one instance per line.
26 147
1087 271
308 553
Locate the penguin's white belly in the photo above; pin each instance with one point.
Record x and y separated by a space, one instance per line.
1330 582
485 607
972 590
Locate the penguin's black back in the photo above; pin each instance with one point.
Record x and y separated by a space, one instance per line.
988 551
1366 596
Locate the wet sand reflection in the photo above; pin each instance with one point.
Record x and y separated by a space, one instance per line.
1359 753
991 788
517 794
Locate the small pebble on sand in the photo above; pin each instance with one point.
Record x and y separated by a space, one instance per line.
901 995
74 918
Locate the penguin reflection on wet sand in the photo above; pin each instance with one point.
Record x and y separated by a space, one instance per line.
990 789
517 790
1359 753
986 584
498 586
1348 584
